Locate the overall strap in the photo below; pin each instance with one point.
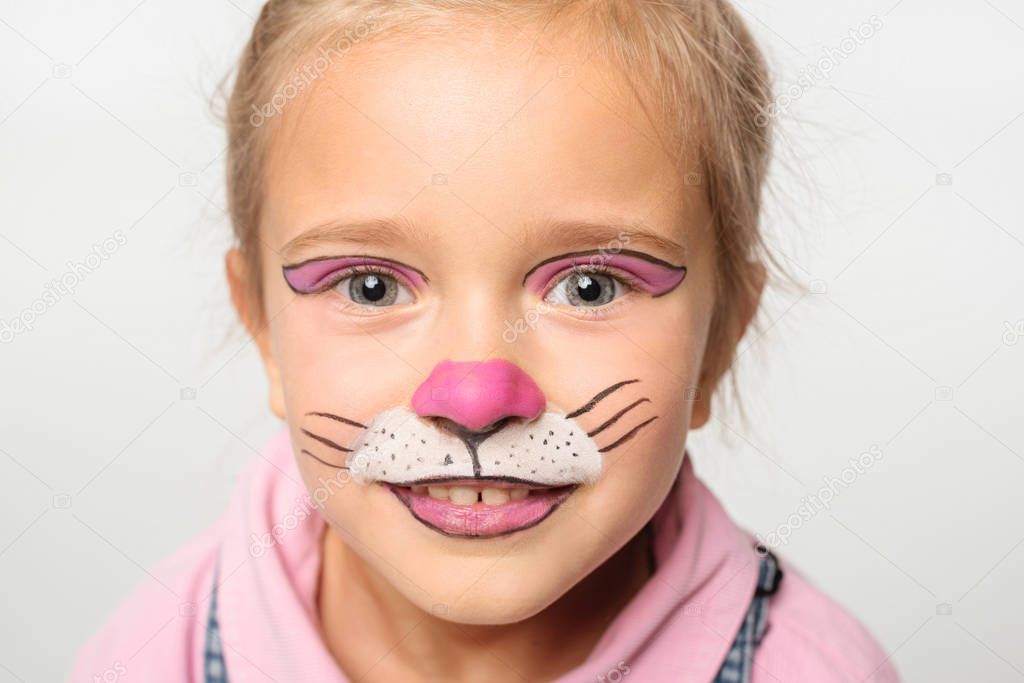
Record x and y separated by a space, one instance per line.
213 654
739 662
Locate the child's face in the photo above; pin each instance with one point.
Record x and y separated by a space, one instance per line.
480 163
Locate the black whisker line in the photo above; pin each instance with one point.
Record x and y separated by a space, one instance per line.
339 418
319 460
326 442
627 436
597 399
614 418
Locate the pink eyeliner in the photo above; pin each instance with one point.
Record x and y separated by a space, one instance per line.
313 275
654 276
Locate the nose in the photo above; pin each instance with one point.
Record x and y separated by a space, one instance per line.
478 394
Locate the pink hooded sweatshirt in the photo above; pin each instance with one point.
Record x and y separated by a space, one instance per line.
677 628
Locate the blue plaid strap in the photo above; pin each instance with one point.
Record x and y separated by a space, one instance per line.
213 655
739 662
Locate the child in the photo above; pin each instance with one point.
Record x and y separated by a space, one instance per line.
496 257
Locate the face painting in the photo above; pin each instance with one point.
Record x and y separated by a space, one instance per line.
489 459
488 471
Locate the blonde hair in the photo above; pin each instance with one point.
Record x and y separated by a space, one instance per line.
697 59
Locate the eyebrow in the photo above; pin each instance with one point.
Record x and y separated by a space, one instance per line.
381 232
574 235
571 235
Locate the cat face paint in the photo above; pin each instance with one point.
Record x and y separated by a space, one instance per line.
646 273
571 176
502 475
315 275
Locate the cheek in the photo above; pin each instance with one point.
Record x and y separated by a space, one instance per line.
638 468
670 366
659 343
355 374
670 340
662 348
636 478
339 497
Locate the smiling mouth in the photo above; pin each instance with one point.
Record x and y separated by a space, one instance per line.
480 508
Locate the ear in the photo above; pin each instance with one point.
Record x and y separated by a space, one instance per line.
747 306
254 319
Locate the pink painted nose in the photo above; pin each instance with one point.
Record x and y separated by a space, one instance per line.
476 394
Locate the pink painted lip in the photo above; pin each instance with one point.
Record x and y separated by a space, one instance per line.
480 520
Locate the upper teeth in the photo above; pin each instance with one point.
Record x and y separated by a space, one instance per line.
468 495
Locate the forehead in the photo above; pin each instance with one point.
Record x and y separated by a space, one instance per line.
496 127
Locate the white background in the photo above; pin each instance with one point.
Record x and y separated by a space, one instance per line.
911 337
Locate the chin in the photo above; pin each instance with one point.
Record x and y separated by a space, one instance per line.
504 598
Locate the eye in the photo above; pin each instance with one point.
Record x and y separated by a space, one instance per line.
373 289
585 289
